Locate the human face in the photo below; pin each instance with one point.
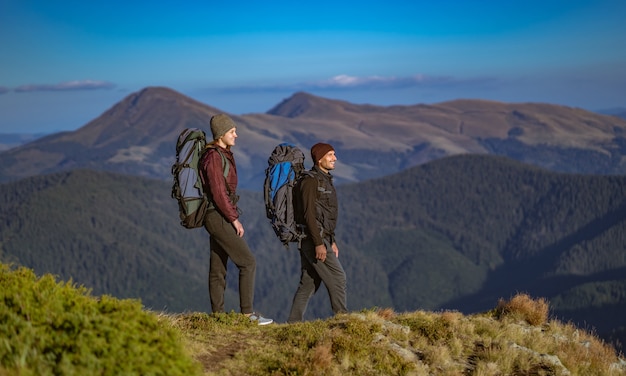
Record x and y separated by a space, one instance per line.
228 139
327 162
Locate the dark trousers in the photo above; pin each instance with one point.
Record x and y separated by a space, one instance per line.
225 243
313 273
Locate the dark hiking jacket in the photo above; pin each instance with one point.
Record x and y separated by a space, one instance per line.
316 205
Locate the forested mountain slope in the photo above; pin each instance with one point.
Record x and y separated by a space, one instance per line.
457 233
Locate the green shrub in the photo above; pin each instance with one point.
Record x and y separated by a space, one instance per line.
55 328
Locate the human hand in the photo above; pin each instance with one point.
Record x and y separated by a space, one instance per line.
320 252
238 227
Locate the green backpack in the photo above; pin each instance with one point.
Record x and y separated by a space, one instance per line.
187 188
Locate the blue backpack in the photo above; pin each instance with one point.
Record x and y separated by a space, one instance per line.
285 166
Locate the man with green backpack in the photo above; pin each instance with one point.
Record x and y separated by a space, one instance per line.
218 173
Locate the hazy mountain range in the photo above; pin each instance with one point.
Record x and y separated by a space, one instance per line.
437 212
12 140
137 136
617 111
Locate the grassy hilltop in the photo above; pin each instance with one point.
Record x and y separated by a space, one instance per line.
55 328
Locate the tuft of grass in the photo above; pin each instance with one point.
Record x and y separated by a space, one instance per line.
523 307
386 313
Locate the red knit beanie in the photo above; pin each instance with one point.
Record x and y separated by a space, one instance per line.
319 150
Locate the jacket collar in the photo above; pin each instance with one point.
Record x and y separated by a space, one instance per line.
321 172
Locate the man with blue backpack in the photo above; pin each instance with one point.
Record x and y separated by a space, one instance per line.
316 211
218 173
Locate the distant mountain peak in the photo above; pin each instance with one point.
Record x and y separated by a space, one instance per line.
294 106
137 133
152 111
147 97
301 104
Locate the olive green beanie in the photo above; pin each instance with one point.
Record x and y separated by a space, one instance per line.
220 124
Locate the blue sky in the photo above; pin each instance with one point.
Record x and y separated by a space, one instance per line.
64 63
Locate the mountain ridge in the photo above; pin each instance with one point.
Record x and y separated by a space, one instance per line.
137 136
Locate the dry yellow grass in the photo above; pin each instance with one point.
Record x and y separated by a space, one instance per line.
523 307
515 338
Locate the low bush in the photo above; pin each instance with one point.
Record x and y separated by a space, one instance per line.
523 307
56 328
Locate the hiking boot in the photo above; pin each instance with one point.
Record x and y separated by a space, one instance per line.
255 317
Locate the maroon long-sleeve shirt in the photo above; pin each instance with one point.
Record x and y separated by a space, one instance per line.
212 169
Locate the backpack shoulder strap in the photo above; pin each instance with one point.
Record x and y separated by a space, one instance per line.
313 175
225 163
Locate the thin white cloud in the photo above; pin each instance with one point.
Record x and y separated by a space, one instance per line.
66 86
347 82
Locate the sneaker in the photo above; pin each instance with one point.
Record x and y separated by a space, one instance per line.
260 319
